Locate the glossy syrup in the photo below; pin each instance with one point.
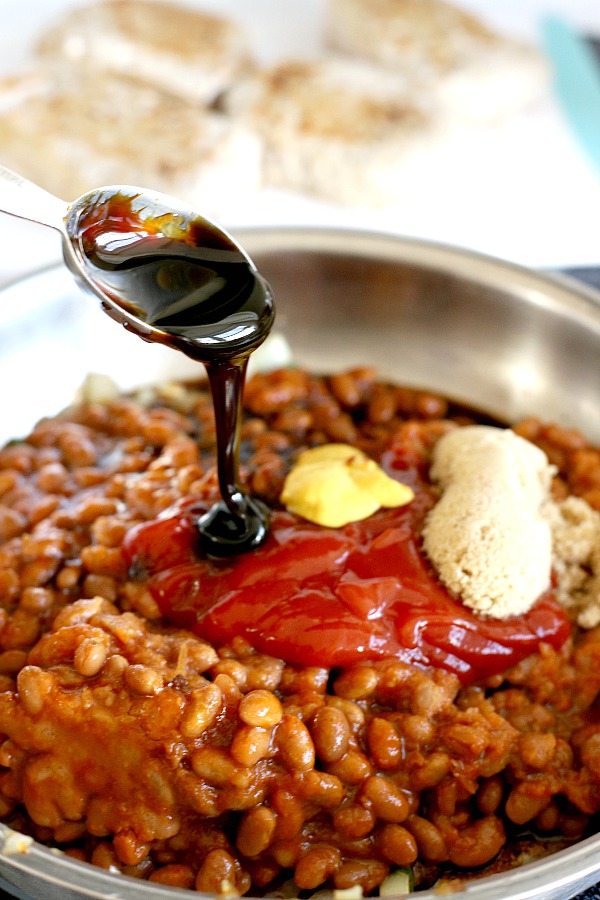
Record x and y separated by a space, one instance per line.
184 283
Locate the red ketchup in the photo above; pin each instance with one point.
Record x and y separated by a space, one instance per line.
316 596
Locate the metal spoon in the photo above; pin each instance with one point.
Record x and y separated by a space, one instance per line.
170 276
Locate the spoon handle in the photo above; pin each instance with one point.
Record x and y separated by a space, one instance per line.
22 198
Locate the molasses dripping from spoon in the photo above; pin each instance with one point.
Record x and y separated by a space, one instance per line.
171 276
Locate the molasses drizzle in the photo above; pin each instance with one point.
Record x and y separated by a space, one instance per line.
184 283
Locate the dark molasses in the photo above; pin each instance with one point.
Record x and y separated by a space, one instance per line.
181 281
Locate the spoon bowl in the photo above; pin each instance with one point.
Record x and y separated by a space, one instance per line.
113 237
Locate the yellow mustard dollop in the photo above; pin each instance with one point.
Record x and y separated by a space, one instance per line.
335 484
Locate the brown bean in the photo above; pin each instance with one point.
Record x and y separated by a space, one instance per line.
368 873
260 708
353 821
352 768
250 744
316 866
256 830
34 687
526 801
490 795
357 683
330 732
385 799
203 707
295 745
176 875
398 845
384 742
217 871
477 843
537 750
143 679
430 841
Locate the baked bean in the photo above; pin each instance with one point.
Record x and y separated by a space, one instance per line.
430 406
260 708
129 850
263 672
234 669
104 561
294 421
548 819
68 832
385 799
352 712
299 681
286 853
353 821
346 390
478 843
291 812
203 707
490 795
214 765
39 572
216 873
356 684
330 733
526 801
175 875
433 769
537 750
9 584
90 656
417 729
115 666
12 661
368 873
256 831
385 745
22 630
316 866
36 600
431 843
8 481
77 447
250 744
34 687
295 745
12 523
195 656
68 577
143 679
428 698
352 768
398 845
382 405
100 586
322 788
104 856
93 508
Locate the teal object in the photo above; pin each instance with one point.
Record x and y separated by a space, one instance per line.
576 82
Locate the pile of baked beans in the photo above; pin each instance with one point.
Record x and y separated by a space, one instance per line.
133 744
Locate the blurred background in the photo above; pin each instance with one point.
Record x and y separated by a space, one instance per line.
518 186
